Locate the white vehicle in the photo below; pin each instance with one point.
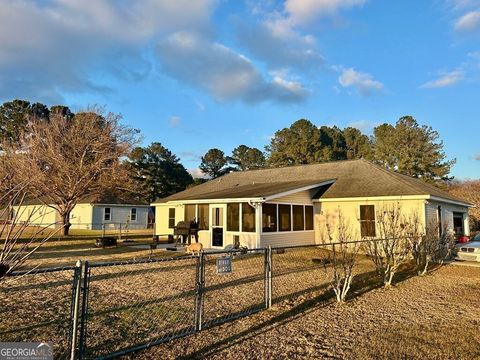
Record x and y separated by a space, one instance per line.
469 251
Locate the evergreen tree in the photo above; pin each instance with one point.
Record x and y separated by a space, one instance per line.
158 172
247 158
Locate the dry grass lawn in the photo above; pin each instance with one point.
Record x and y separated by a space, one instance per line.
431 317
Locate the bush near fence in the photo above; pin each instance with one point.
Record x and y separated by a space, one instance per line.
125 306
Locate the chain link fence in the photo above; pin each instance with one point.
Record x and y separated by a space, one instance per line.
105 310
230 295
134 305
37 306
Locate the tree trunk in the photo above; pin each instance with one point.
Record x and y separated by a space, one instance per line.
66 223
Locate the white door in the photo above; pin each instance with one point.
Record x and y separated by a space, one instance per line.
218 225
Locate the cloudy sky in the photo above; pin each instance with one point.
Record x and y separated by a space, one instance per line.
197 74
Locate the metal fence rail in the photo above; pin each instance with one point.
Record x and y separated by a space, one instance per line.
105 310
37 305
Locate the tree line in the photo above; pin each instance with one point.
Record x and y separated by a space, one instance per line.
62 157
406 147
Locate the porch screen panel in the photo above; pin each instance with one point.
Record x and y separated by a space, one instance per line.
285 218
248 218
308 217
298 218
233 217
367 220
269 217
189 212
203 216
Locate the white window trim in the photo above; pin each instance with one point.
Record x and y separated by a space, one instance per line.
109 214
136 215
291 220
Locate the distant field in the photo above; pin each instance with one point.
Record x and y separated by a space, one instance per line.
79 245
38 231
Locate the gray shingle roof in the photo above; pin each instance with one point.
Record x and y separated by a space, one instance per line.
353 178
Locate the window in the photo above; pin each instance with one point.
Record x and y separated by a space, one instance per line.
217 216
133 214
203 217
308 217
233 217
107 214
298 218
285 218
189 213
269 217
367 220
248 218
171 218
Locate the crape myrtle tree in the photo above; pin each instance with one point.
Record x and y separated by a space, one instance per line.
157 171
70 157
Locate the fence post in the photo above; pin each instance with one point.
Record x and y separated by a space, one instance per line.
77 288
120 233
199 291
84 312
103 230
268 277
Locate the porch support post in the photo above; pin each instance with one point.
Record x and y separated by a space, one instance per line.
258 223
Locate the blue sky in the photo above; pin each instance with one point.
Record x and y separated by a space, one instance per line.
210 73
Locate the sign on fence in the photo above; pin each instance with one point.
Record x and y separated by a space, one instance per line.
224 265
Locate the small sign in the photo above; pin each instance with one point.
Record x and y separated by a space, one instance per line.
224 265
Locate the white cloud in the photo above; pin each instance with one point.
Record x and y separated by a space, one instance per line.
196 173
275 41
47 48
174 121
225 74
304 11
445 79
364 126
364 83
468 22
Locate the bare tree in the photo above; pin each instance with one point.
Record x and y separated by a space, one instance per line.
20 239
430 244
70 158
391 249
343 257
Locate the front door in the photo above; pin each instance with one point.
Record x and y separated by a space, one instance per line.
218 212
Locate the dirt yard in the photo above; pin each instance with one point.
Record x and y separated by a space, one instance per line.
431 317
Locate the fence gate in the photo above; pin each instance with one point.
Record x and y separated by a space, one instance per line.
234 285
128 306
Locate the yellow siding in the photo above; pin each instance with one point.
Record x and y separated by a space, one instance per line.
161 218
41 215
328 213
81 216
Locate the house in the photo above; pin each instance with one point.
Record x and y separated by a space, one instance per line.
93 213
293 205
